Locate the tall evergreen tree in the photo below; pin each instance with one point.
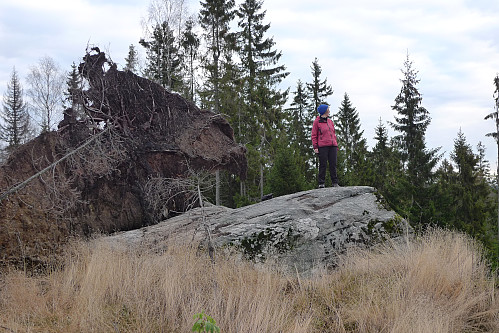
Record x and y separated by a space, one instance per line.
466 162
72 95
483 163
412 121
215 17
231 97
231 107
162 54
352 143
445 201
262 75
190 46
260 69
381 156
15 129
386 165
132 60
298 114
470 203
285 176
495 116
318 89
298 131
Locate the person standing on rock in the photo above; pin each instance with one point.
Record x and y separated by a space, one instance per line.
325 145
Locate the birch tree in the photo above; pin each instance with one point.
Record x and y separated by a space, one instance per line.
46 87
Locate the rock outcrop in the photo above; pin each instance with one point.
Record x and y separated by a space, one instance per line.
304 230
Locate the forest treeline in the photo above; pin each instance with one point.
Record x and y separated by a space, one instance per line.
224 59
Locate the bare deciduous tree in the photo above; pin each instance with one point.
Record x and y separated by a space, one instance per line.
163 195
173 12
46 82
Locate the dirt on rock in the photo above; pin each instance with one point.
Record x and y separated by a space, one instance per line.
124 145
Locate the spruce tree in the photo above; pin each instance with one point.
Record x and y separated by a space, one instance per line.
318 89
132 60
285 176
387 170
483 163
472 200
72 103
412 121
72 96
215 17
15 128
445 201
231 107
162 55
352 144
299 131
466 162
382 157
495 116
262 75
190 47
298 115
260 69
231 98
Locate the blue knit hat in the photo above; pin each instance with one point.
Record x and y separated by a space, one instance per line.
322 109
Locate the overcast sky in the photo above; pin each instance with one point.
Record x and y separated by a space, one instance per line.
361 46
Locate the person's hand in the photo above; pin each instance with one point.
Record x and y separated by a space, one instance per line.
316 150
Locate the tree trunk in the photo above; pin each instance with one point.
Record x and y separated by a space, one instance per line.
497 177
217 188
261 180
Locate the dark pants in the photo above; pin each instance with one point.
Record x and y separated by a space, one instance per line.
328 154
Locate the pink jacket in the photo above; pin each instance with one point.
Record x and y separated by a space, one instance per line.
323 133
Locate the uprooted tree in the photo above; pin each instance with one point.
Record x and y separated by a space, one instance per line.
112 168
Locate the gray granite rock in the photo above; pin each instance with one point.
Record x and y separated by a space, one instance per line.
304 230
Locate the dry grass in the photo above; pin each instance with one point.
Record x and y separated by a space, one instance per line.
437 283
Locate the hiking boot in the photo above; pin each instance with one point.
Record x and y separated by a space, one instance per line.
336 185
321 186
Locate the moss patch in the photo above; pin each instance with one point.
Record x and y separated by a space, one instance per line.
260 244
390 227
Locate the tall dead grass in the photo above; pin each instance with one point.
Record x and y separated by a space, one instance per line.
436 283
